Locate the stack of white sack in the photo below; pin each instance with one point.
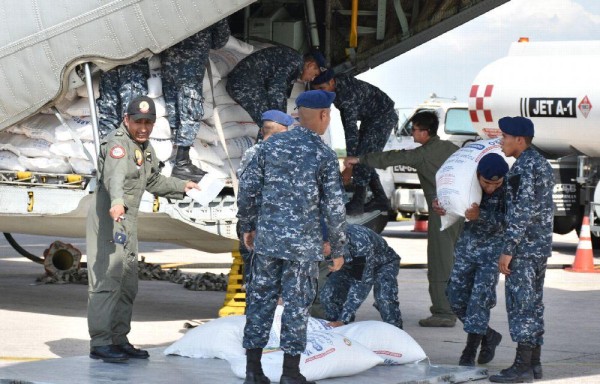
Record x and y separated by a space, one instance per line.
330 352
456 180
42 144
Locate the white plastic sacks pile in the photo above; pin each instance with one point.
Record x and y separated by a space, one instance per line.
42 144
330 352
456 180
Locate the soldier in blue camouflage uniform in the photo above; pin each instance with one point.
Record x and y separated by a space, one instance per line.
183 67
358 100
118 86
273 122
527 246
472 285
264 79
369 263
292 181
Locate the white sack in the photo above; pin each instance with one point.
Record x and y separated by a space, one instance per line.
220 94
456 180
9 161
238 45
82 166
231 130
392 344
161 106
161 130
327 355
225 60
68 148
80 126
45 164
230 113
78 107
154 86
38 127
236 147
163 148
205 152
220 338
154 62
313 325
25 146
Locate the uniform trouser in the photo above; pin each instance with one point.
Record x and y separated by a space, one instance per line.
295 281
373 135
113 280
316 310
524 291
254 98
246 255
472 291
118 87
440 258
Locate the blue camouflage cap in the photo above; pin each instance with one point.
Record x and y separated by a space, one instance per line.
324 77
492 167
516 126
278 117
315 99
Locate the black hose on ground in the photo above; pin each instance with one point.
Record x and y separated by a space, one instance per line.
11 240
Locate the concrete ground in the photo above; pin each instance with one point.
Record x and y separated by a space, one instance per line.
49 321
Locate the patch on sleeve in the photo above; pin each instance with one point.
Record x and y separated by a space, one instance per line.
117 152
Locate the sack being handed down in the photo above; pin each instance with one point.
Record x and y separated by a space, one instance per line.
456 180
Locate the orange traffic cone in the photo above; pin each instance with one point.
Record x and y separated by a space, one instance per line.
584 257
421 225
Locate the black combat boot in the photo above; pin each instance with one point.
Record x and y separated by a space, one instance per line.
291 371
468 354
520 371
488 346
536 363
356 206
184 169
380 200
254 372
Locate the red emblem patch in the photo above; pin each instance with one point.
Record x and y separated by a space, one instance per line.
117 152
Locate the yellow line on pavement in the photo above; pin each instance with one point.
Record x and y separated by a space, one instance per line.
14 358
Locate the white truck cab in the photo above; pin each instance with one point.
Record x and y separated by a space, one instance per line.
455 125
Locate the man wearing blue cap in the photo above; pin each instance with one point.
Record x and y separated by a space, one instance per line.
292 182
427 159
527 246
273 122
369 263
472 285
358 100
264 79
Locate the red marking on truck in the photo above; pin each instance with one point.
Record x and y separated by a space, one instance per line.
479 101
585 106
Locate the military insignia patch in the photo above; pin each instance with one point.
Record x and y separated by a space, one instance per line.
139 160
117 152
144 107
149 156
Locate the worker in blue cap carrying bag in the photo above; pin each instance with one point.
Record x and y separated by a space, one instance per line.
472 285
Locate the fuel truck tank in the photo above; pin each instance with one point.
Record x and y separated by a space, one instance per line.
555 84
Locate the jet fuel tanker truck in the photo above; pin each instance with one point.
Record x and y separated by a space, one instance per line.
556 85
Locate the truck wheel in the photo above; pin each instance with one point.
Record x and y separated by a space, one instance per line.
565 224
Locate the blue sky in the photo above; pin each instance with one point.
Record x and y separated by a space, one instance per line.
448 64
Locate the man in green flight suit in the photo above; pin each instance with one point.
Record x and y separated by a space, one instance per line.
127 165
427 159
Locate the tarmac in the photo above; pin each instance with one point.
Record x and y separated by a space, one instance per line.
43 327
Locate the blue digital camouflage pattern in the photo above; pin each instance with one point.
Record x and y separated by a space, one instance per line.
291 182
295 282
183 67
528 239
264 80
358 100
345 290
118 86
472 286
